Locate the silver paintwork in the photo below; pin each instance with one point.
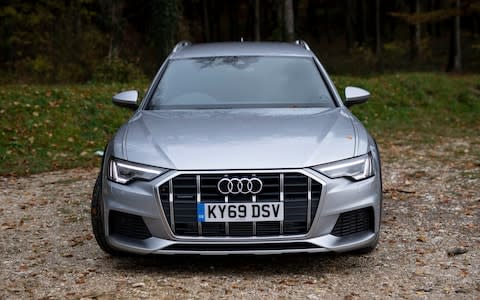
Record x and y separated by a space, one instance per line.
236 185
170 200
303 44
354 95
181 45
241 49
227 226
126 98
261 139
309 202
264 140
254 224
282 195
339 195
199 199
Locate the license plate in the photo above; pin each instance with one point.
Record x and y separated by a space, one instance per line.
240 212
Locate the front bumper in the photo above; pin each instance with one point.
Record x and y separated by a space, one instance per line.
338 196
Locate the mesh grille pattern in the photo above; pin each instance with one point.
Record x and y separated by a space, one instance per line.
354 221
128 225
181 192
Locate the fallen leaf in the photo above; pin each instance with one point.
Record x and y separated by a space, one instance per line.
456 251
422 239
80 280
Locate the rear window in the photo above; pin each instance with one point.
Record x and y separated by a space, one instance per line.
241 82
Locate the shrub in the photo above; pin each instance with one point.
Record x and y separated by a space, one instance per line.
117 70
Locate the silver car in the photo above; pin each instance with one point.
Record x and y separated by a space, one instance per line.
239 148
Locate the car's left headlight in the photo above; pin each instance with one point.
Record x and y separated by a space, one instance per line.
124 172
356 168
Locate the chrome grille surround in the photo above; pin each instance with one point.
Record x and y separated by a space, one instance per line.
169 204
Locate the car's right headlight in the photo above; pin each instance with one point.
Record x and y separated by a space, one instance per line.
124 172
356 168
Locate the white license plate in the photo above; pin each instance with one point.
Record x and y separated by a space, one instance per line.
240 212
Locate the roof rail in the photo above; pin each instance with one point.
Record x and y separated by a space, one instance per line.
303 44
180 45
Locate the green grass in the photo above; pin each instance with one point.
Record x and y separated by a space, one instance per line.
419 107
56 127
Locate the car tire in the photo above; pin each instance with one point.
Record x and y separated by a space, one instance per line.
98 225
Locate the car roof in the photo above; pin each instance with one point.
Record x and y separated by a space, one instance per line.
239 49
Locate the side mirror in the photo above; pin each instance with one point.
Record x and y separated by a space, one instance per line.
355 95
126 99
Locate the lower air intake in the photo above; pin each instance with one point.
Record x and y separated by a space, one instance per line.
128 225
354 221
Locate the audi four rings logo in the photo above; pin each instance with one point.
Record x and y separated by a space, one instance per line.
240 185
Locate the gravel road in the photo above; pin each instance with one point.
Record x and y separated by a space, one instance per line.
429 248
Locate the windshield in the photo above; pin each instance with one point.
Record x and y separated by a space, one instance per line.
241 82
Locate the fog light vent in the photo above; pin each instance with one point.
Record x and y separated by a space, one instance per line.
128 225
354 221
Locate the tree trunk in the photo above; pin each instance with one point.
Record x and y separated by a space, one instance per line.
348 24
116 10
418 32
475 27
289 21
415 32
455 55
431 26
378 41
327 25
378 47
457 61
364 17
280 11
206 22
235 34
257 20
112 32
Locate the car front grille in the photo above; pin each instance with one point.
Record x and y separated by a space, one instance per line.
300 194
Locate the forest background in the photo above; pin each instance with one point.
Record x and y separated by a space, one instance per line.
52 41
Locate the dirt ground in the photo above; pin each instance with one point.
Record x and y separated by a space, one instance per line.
429 247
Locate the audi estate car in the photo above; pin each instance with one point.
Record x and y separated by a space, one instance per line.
239 148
